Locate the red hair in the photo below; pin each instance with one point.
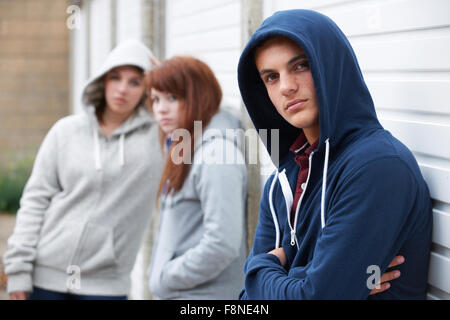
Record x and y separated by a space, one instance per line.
199 93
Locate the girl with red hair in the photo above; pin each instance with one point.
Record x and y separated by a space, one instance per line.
201 244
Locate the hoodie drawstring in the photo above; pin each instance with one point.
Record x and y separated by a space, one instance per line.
121 150
98 162
272 210
324 182
322 203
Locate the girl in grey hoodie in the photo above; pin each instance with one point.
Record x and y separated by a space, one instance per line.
201 245
89 198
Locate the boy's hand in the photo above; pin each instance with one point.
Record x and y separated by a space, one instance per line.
280 254
384 280
387 276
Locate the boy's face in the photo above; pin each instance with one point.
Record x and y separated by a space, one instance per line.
284 69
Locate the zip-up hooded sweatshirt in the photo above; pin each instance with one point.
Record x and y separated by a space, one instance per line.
365 200
89 199
201 245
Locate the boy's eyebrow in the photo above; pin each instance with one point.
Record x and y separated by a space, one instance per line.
263 71
299 57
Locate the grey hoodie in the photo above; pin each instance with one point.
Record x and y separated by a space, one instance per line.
88 200
201 246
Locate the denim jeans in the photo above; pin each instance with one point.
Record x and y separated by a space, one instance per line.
43 294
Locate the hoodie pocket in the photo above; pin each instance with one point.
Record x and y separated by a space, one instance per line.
95 252
158 263
57 245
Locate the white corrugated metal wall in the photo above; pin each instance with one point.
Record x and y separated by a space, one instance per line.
403 47
210 31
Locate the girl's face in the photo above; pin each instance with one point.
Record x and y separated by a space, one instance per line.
124 88
166 107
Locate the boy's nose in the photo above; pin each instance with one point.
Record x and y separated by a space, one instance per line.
288 85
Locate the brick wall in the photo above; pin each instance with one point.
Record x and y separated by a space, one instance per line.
34 73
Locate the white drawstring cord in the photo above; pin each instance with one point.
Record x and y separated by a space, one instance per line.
98 163
272 210
121 150
324 182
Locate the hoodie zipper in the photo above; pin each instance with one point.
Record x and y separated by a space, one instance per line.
294 239
288 198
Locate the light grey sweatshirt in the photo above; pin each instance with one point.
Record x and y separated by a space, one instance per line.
87 203
201 245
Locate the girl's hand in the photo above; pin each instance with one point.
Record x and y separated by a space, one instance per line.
388 276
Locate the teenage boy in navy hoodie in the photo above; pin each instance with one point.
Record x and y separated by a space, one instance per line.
347 196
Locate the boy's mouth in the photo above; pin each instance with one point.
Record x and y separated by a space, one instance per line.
295 104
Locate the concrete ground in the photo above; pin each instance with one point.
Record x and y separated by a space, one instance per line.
7 222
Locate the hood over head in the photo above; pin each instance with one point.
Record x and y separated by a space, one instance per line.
345 104
126 53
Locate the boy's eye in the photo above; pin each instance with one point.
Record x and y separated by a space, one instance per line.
271 77
172 97
302 65
135 83
155 99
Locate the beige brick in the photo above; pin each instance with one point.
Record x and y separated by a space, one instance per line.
17 46
34 66
20 66
10 9
34 28
44 8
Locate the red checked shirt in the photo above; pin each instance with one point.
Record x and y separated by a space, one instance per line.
302 149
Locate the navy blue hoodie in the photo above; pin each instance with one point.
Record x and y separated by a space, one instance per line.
365 199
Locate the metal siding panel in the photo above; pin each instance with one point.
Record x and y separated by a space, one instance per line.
368 17
186 7
129 20
425 95
439 272
210 31
210 41
419 51
441 222
216 18
428 138
363 17
438 180
100 33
